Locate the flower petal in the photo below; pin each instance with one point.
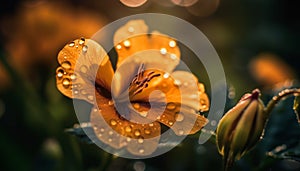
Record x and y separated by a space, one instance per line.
182 119
192 93
134 37
117 132
80 61
150 59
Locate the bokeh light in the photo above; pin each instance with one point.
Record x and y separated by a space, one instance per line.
133 3
184 3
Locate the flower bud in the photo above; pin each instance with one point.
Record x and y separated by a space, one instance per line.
241 127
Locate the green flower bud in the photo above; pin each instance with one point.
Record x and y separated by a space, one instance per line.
241 127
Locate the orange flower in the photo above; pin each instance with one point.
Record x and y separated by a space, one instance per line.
131 102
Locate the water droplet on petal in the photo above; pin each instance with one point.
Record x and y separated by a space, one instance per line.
75 91
171 106
110 140
177 82
81 41
179 117
119 47
137 133
151 124
84 48
140 140
110 102
71 44
102 130
83 69
136 105
166 75
163 51
173 56
110 132
128 129
143 113
90 97
83 92
72 76
180 132
66 82
172 43
127 43
171 123
66 65
141 150
147 131
128 139
113 122
60 73
130 29
185 84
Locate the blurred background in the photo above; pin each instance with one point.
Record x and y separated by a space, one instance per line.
256 41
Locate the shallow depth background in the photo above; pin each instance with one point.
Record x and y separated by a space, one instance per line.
256 40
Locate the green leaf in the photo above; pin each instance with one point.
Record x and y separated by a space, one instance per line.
297 107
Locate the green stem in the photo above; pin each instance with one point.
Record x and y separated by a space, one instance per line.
280 96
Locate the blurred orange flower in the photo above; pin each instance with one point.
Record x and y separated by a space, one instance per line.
144 76
38 29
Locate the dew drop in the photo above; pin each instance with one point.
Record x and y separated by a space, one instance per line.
90 97
110 140
171 106
163 51
127 43
110 133
83 69
143 113
137 133
128 139
113 122
140 140
102 130
75 91
185 84
83 92
141 150
81 41
180 132
177 82
166 75
130 29
173 56
84 48
72 76
110 102
171 123
179 117
60 73
151 124
95 110
66 65
147 131
119 47
66 82
71 44
172 43
128 129
164 85
99 135
136 105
